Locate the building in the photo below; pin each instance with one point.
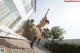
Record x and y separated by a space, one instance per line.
14 12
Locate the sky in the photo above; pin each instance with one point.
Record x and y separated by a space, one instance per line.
63 14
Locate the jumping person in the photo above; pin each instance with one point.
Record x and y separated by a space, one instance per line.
39 27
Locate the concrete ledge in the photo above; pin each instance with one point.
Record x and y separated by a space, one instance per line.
6 32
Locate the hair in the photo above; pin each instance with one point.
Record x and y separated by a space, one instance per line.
47 21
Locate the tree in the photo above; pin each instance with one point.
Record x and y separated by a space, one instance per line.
29 29
46 33
57 33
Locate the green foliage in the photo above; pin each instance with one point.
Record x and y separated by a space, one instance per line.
55 33
28 24
46 33
29 29
63 48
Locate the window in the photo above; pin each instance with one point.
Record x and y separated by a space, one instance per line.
25 1
28 7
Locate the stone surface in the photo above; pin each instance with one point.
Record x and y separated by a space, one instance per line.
19 46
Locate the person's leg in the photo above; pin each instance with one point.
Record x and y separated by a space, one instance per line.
31 44
38 41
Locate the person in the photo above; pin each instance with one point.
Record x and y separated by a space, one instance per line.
39 27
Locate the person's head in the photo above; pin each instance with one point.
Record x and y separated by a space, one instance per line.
47 21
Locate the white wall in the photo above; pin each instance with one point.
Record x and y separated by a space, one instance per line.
20 7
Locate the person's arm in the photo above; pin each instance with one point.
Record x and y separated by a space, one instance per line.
46 13
43 21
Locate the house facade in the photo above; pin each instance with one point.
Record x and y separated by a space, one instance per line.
13 13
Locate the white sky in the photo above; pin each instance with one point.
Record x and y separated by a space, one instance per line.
63 14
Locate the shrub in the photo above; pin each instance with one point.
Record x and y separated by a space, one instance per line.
63 48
